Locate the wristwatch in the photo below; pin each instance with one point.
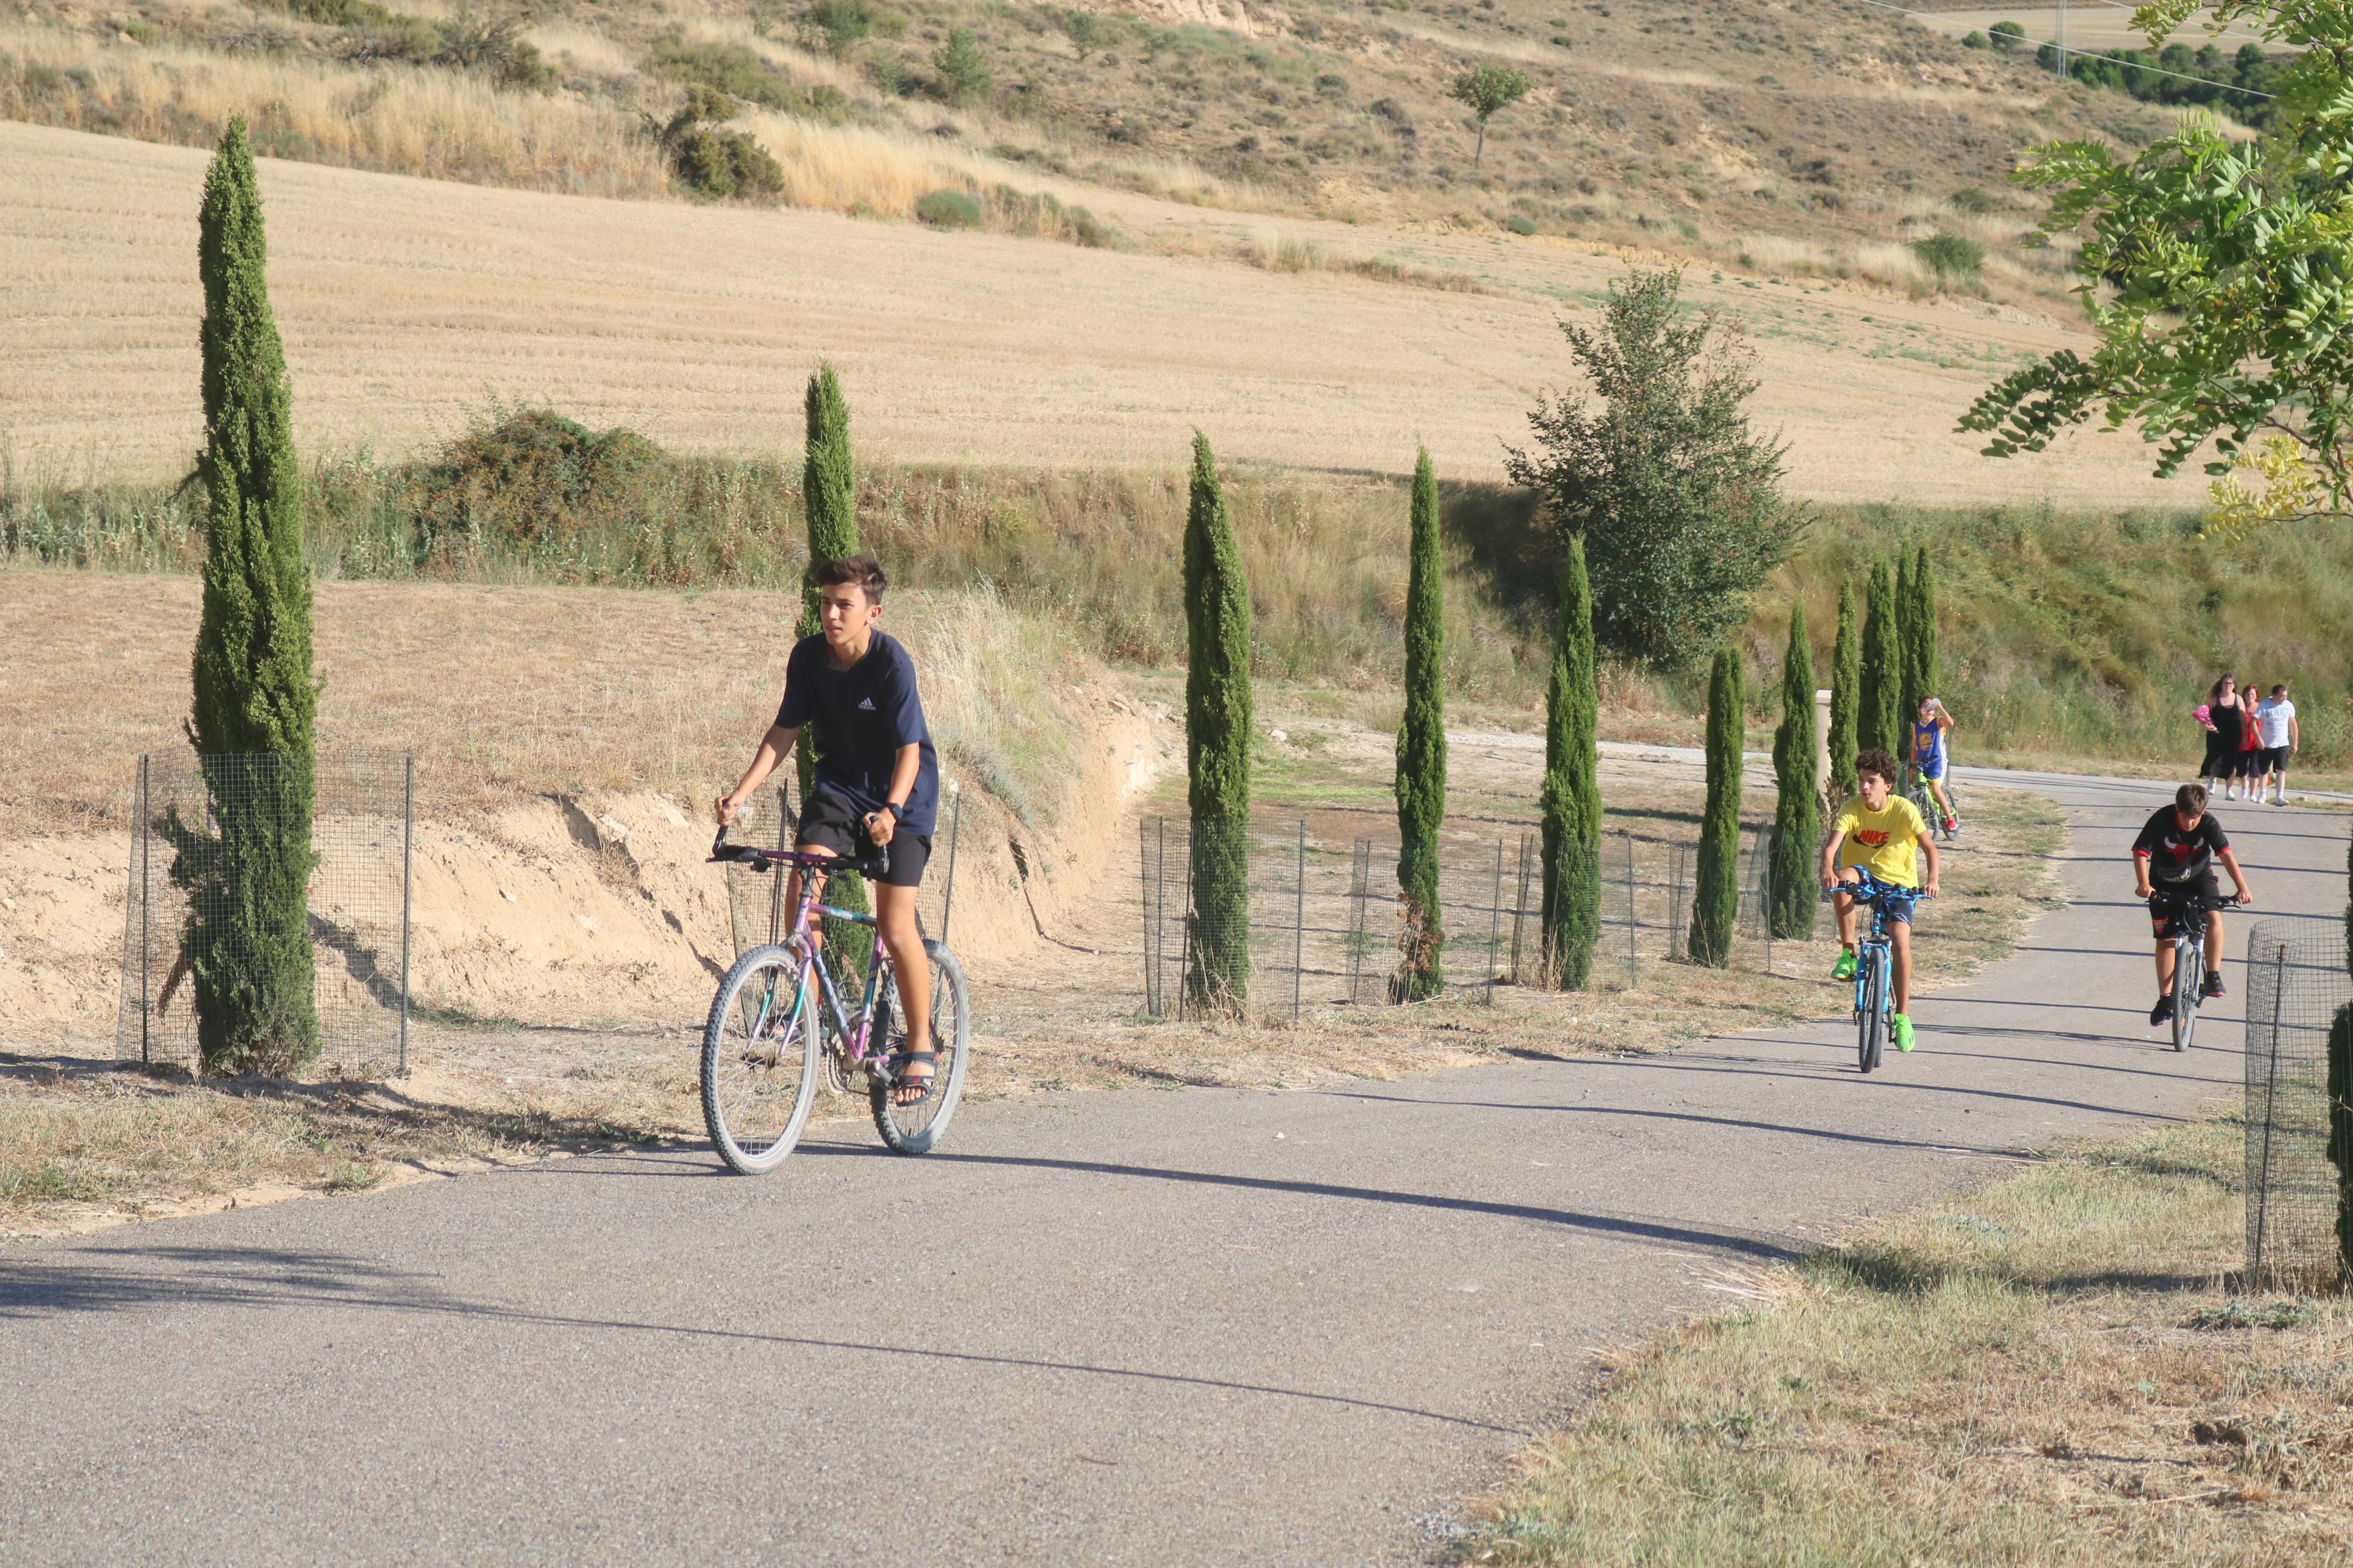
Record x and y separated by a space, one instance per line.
893 810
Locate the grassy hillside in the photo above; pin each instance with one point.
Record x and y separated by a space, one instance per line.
1821 139
2080 633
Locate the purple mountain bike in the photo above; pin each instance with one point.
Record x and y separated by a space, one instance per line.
778 1027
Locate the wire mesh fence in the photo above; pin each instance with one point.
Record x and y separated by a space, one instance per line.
2298 989
232 950
756 899
1315 925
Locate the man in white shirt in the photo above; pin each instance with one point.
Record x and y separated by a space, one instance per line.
2277 732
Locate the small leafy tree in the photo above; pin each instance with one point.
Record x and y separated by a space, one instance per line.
256 704
1217 717
1716 893
1084 30
1571 805
2212 271
1677 500
711 162
965 74
1790 902
2008 37
1422 748
1882 683
1846 698
1486 91
836 27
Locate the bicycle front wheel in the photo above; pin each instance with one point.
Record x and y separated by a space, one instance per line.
916 1129
760 1060
1871 1020
2189 972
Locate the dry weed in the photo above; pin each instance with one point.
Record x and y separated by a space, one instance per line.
2048 1372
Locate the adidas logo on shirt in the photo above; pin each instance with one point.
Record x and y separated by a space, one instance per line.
866 705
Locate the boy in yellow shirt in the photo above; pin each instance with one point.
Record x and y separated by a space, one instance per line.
1880 832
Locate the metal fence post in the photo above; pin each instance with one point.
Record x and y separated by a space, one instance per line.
407 885
1299 920
2263 1185
1633 955
146 904
955 832
1144 901
1495 923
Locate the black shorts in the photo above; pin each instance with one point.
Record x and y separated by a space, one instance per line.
2275 758
829 821
2170 899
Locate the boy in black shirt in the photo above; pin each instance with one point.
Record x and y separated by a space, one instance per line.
877 776
2173 868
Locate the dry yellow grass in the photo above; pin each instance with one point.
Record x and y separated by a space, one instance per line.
402 300
431 123
2049 1373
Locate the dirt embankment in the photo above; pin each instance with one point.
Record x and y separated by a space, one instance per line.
587 909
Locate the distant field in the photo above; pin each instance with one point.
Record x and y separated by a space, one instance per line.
2093 26
404 300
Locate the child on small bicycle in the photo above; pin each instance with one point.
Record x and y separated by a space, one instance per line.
877 777
1881 832
2173 868
1932 757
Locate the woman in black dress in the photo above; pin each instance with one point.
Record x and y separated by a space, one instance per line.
2225 729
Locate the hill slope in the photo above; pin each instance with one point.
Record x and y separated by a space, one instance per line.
402 300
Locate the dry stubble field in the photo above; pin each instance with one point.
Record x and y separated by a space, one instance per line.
403 301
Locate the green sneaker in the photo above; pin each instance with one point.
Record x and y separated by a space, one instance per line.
1844 968
1899 1029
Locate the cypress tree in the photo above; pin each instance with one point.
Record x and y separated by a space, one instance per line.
1790 902
1421 750
1920 621
1908 605
1572 788
830 498
1882 666
256 704
828 486
1716 897
1217 742
1846 696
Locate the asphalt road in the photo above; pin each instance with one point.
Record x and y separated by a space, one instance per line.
1192 1327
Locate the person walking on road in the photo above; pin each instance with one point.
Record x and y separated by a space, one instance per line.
2281 738
2224 720
2251 741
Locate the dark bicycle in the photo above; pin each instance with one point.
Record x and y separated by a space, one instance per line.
778 1024
2183 916
1874 974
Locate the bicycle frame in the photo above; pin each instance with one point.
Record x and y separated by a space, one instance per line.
1876 948
857 1042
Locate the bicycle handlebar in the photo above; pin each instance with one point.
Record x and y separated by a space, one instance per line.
873 868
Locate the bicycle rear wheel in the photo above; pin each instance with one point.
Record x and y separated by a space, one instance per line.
760 1060
2188 974
916 1129
1871 1022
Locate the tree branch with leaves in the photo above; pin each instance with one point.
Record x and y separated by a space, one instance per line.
2219 277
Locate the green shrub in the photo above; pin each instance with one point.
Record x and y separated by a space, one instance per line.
1085 30
835 26
1520 224
527 477
1975 40
948 209
1953 257
732 68
1971 200
2007 37
723 164
965 74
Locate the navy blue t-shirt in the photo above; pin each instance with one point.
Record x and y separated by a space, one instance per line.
862 716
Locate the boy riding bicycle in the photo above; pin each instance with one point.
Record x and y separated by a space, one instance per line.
1932 756
1881 832
877 776
2173 868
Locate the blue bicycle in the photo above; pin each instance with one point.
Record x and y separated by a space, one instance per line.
1874 974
